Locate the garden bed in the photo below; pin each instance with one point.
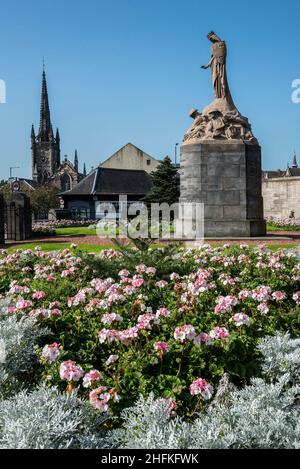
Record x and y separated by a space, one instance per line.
167 323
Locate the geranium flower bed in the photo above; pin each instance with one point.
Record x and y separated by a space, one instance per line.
166 321
290 224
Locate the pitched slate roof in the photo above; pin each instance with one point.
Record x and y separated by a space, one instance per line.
104 181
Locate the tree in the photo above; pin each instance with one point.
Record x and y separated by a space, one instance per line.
165 184
4 189
43 199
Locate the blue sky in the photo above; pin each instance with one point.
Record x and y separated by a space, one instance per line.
128 70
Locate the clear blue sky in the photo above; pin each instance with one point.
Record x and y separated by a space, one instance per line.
129 70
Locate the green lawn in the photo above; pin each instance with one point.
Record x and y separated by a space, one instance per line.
61 246
280 228
100 247
84 231
71 231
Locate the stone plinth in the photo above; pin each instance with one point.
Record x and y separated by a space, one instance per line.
19 218
226 177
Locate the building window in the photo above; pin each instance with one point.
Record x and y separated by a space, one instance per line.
65 181
148 162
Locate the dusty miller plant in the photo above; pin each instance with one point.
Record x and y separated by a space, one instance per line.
46 418
18 339
265 414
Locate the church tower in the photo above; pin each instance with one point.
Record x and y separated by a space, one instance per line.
45 148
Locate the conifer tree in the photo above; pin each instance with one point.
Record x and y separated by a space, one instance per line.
165 184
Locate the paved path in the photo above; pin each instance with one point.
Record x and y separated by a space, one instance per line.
272 238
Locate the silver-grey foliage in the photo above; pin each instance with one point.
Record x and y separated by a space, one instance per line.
18 338
265 414
46 418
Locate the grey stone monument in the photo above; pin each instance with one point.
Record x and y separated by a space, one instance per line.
19 218
221 161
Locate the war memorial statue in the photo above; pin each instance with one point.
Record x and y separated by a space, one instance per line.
221 160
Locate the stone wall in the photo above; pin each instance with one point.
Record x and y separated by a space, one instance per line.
281 196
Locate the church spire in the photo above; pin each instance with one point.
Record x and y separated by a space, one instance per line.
76 161
295 163
45 130
84 169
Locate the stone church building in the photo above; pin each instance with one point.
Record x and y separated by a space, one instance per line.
47 167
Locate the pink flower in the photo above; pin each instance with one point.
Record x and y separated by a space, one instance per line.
111 318
186 332
145 320
225 304
245 294
51 352
241 319
263 308
261 293
69 371
161 284
90 378
141 268
99 399
174 276
162 347
137 282
151 271
163 312
24 304
202 387
124 273
278 296
219 333
203 338
296 297
126 336
108 335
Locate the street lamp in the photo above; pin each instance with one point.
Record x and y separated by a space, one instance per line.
176 145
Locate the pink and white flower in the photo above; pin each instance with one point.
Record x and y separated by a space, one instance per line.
51 352
296 297
241 319
278 296
219 333
91 377
69 371
111 318
202 387
183 333
161 347
263 308
202 338
225 304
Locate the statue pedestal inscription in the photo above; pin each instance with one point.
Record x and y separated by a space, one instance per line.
226 178
221 161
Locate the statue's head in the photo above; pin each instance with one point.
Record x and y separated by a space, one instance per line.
212 36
